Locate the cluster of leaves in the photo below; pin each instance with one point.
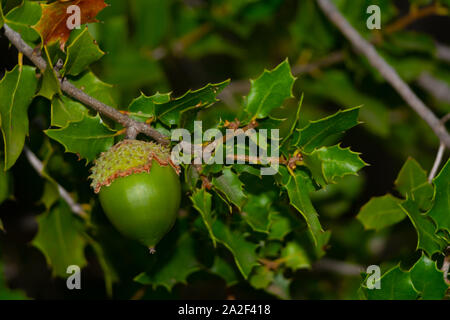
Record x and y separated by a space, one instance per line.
240 225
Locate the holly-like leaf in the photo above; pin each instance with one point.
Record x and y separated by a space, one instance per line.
261 277
223 269
412 182
21 19
81 52
395 284
230 186
50 83
17 90
143 108
53 24
280 226
61 239
174 267
441 205
327 164
170 112
87 138
244 252
295 257
65 110
427 239
280 286
428 279
95 88
317 132
269 91
201 199
298 187
381 212
5 183
257 212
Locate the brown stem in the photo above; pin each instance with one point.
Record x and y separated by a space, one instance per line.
81 96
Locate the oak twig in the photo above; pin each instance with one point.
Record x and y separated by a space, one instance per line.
80 95
389 74
39 167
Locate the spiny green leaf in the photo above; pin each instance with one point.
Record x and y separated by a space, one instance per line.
178 265
50 83
223 269
280 226
441 206
91 85
17 89
143 108
257 211
412 182
395 285
295 257
327 164
381 212
82 51
317 132
201 199
261 277
428 279
244 252
425 228
230 185
170 112
21 19
87 138
269 91
65 110
298 187
61 239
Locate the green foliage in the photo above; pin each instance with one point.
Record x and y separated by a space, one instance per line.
260 234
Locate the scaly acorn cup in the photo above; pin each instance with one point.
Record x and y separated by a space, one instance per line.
139 189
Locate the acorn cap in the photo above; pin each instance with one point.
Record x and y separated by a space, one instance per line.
126 158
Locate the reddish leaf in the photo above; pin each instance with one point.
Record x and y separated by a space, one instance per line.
53 23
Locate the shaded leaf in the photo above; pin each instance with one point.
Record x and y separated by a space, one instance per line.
261 277
143 108
230 185
201 200
428 279
395 285
94 87
257 211
412 182
170 112
295 257
65 110
50 83
17 89
269 91
327 164
61 239
81 52
425 228
21 19
317 132
86 138
381 212
178 265
244 252
223 269
441 206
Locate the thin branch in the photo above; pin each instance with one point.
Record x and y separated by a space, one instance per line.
440 154
413 16
437 163
368 50
437 88
80 95
39 167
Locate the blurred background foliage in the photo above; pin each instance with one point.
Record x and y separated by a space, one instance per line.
177 45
